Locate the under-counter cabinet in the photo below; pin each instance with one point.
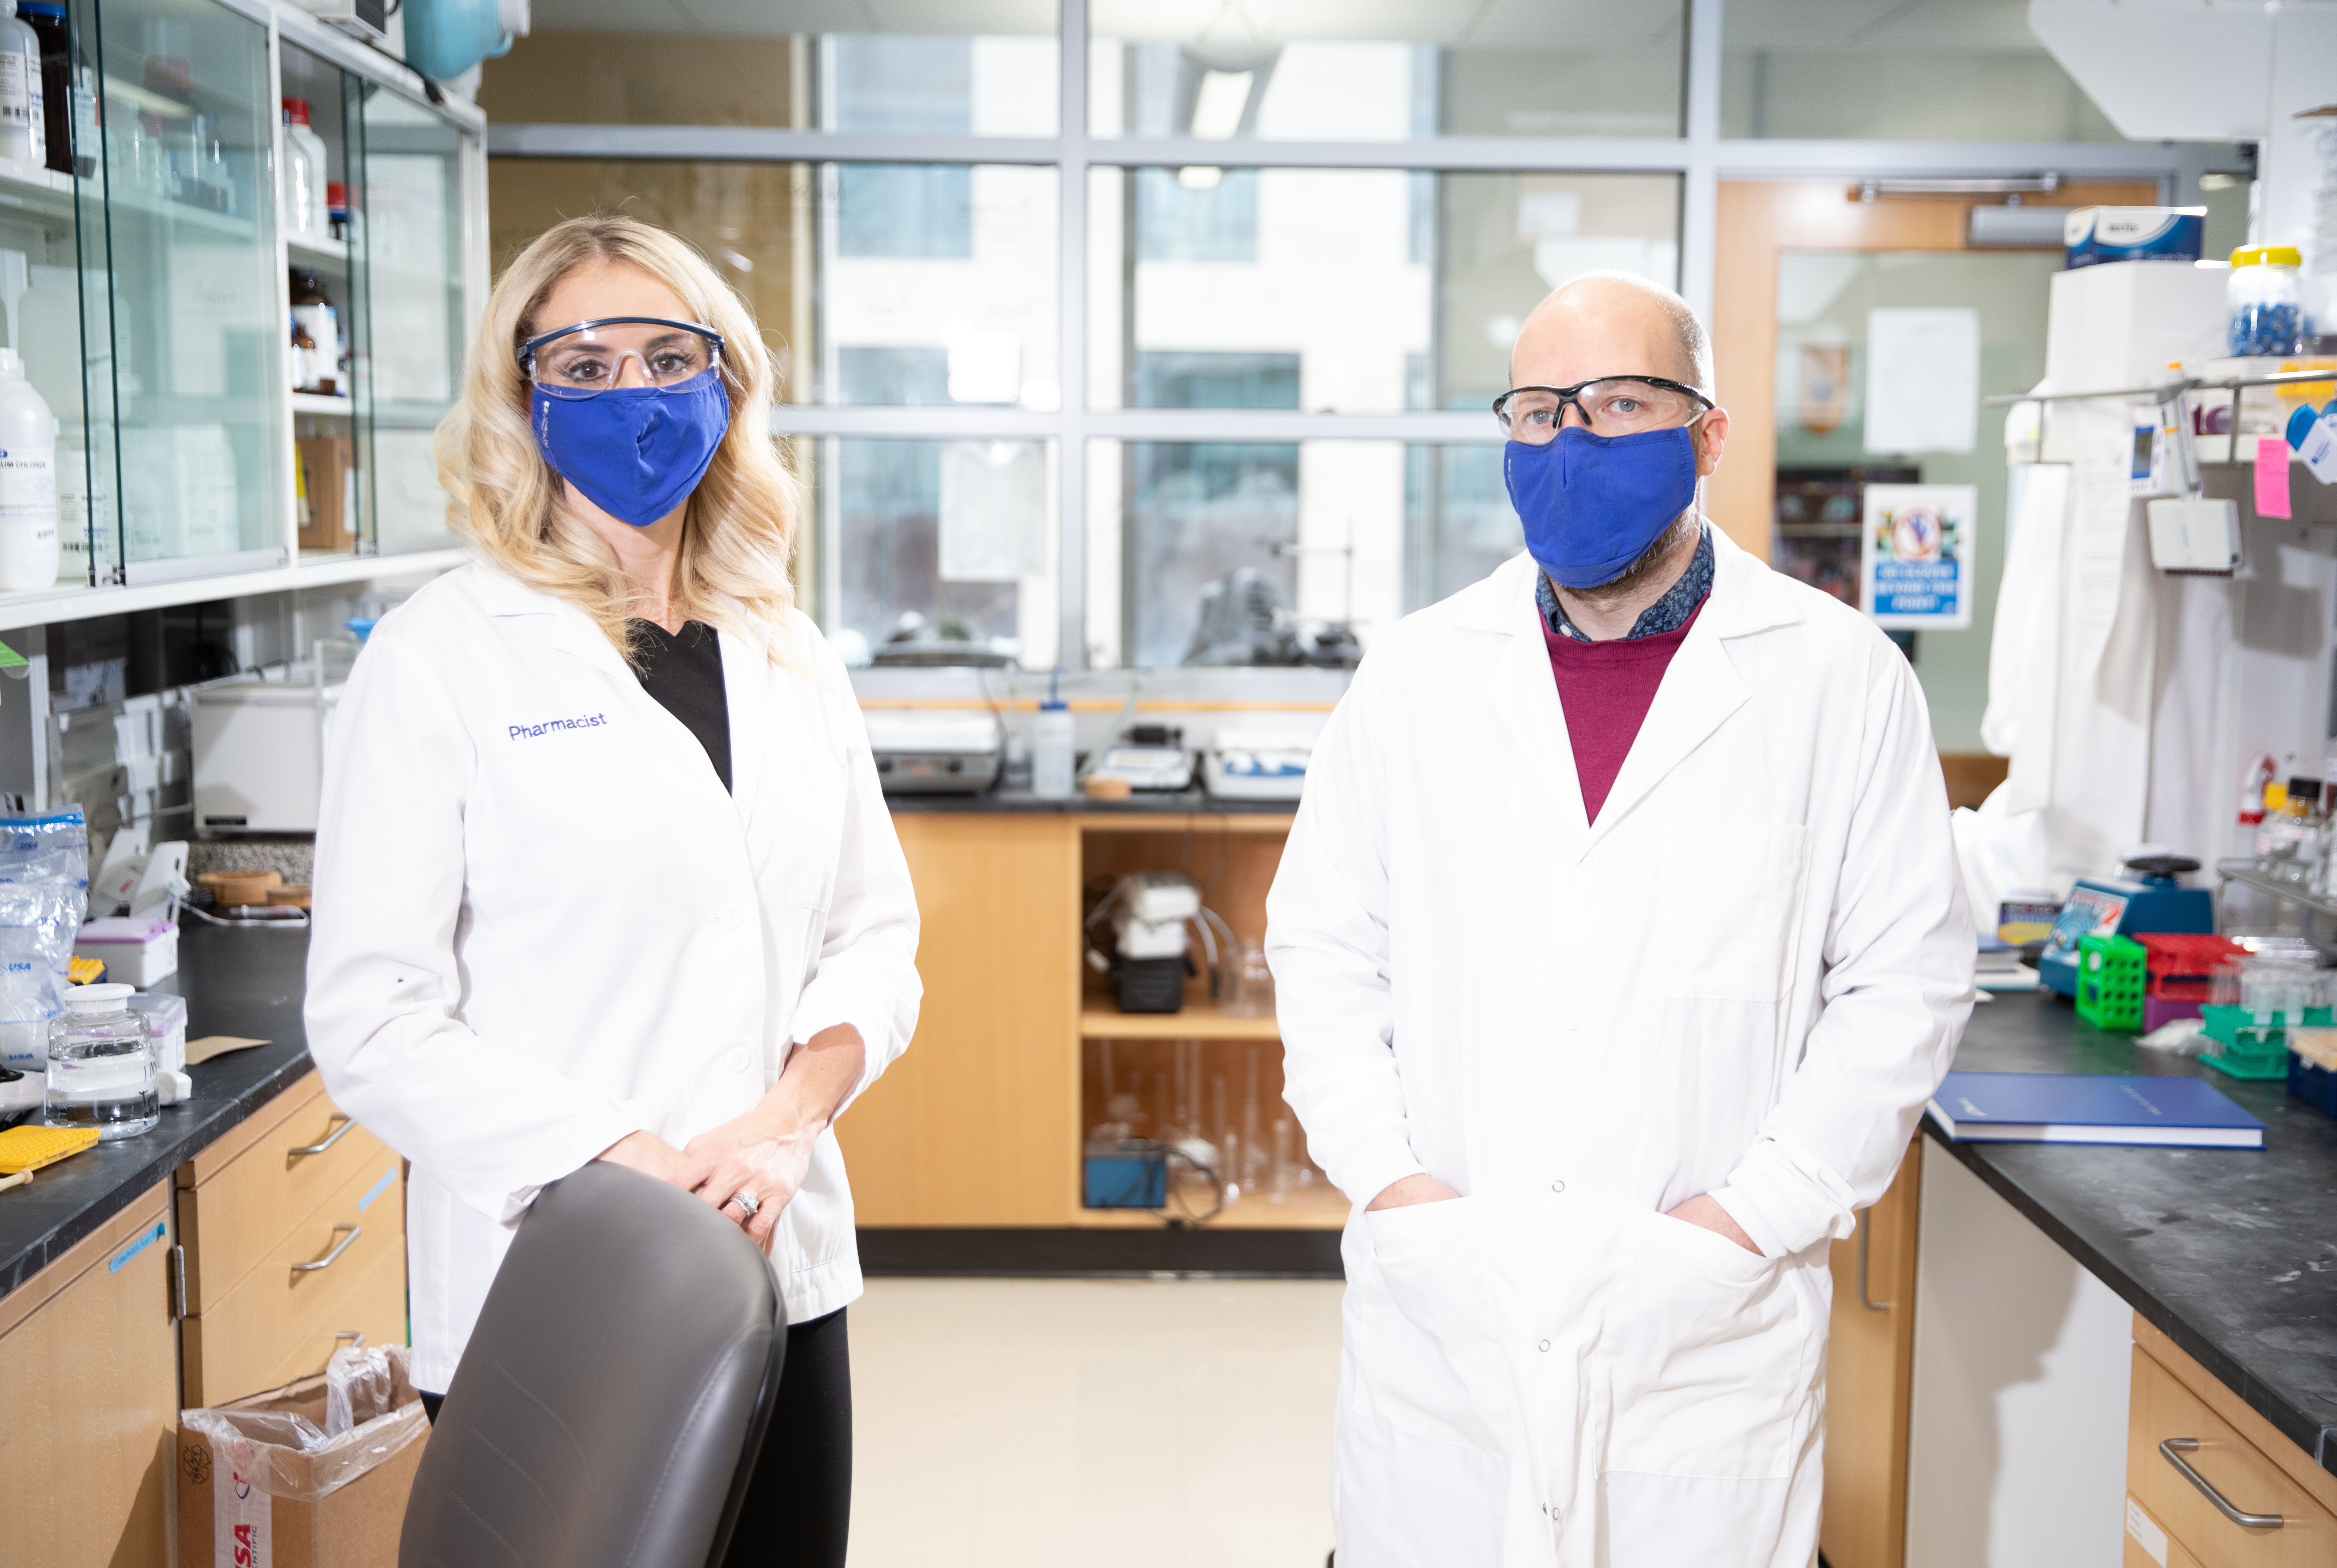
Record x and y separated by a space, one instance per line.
294 1226
2211 1484
90 1372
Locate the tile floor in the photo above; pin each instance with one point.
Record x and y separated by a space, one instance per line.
1036 1423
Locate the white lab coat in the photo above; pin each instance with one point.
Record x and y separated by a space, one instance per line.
541 923
1743 980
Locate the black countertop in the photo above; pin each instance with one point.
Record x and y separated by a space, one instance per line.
237 981
1143 802
2232 1252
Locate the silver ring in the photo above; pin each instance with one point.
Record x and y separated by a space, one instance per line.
748 1204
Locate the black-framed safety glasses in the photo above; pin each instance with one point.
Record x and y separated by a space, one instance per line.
1609 406
589 358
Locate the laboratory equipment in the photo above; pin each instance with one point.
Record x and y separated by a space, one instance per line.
1249 983
925 752
1258 764
24 118
2312 433
2182 972
1149 912
2263 302
1253 1154
1146 756
304 209
46 18
21 1094
137 950
2111 974
259 747
1130 1173
1051 763
29 1148
166 1036
2194 536
316 338
28 477
100 1069
2153 899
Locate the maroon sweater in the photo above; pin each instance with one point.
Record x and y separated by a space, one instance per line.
1606 689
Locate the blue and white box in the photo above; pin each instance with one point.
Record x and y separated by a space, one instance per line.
2092 235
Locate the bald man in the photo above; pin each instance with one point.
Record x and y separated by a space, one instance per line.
1618 942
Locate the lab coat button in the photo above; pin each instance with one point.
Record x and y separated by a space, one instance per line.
1572 1025
1558 1186
736 1061
1543 1346
730 916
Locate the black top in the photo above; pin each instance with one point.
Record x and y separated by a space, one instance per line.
685 673
2223 1249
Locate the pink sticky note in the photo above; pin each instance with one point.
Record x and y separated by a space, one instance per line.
2271 476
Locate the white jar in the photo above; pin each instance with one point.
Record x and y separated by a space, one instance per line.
24 131
28 481
1051 752
304 175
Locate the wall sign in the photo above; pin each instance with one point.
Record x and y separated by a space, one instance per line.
1916 555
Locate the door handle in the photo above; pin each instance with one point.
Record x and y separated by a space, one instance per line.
338 1248
335 1136
2172 1451
1862 1301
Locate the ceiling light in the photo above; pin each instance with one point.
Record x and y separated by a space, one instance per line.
1199 177
1218 106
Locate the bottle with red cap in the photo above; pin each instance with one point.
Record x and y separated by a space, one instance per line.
304 176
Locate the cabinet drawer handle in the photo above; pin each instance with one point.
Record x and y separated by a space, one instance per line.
356 1336
1871 1306
340 1246
336 1135
2172 1451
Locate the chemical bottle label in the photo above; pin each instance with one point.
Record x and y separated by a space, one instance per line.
28 487
15 96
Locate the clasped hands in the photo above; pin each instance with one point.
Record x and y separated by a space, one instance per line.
1701 1210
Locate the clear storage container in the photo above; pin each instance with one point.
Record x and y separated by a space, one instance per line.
2263 302
101 1065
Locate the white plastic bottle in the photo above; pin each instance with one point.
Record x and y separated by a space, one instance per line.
28 481
1050 745
23 130
303 174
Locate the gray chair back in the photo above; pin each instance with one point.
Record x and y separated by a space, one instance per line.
609 1405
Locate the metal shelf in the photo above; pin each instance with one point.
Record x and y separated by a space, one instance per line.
2244 871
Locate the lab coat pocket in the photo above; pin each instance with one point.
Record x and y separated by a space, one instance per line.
1728 896
1715 1361
1424 1341
1406 1501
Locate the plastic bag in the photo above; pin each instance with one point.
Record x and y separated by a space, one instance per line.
369 1409
43 894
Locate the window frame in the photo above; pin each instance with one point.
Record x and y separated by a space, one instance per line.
1699 157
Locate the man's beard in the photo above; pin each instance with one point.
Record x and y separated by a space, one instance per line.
1651 561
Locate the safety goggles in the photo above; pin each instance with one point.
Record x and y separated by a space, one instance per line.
589 358
1612 405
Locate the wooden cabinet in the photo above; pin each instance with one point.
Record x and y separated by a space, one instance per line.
1869 1370
294 1226
90 1370
981 1123
2243 1457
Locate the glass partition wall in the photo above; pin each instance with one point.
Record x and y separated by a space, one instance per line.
1127 334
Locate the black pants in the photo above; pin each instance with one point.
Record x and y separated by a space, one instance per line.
798 1507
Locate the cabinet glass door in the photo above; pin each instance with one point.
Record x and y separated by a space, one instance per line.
410 325
321 106
197 323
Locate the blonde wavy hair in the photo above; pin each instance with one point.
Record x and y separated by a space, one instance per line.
739 530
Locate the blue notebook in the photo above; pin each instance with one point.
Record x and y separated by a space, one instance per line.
2091 1108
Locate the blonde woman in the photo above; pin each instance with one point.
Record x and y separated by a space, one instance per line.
603 870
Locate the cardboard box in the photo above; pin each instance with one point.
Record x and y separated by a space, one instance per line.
252 1495
327 493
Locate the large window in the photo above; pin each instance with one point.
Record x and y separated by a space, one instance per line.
1163 332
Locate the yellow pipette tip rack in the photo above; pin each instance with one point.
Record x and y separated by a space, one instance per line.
84 971
30 1148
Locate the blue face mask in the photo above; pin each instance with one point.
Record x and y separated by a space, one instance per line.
635 452
1592 504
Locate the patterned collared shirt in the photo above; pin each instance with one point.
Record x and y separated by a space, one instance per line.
1668 614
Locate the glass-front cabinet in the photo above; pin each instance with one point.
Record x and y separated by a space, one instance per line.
236 291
